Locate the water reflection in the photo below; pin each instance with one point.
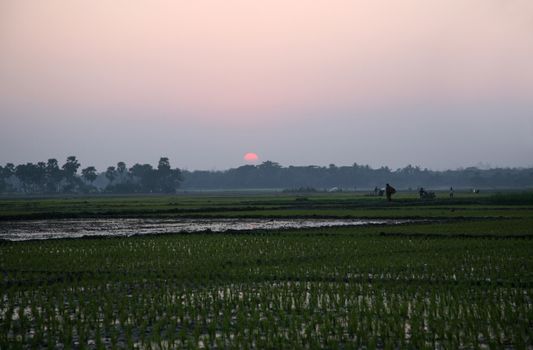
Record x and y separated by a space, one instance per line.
75 228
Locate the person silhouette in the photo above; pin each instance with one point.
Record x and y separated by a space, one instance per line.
389 191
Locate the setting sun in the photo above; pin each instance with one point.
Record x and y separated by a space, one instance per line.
251 157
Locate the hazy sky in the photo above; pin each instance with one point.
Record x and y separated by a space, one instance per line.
441 84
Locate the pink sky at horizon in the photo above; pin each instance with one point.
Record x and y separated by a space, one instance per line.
257 66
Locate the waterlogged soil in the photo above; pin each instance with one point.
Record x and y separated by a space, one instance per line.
78 228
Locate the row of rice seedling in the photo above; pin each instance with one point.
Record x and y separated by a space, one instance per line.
297 314
267 291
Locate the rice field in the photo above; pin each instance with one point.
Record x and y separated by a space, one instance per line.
466 282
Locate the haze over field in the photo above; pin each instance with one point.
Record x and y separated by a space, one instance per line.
441 84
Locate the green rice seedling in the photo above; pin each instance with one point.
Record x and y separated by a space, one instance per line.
344 288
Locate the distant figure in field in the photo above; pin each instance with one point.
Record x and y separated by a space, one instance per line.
425 194
376 191
451 192
389 191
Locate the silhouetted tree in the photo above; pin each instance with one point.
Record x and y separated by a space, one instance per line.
269 175
49 177
121 168
89 174
164 165
9 170
70 168
144 175
3 184
22 173
123 173
5 175
40 176
31 176
54 175
167 178
121 180
111 174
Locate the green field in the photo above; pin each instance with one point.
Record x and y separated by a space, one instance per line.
462 280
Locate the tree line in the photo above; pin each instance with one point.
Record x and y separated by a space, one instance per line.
359 177
50 177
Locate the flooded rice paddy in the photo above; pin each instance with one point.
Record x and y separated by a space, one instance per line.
124 227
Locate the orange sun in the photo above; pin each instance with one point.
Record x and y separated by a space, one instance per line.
251 157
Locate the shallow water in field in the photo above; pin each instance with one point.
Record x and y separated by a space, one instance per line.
76 228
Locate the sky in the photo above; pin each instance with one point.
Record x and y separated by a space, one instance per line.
439 84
